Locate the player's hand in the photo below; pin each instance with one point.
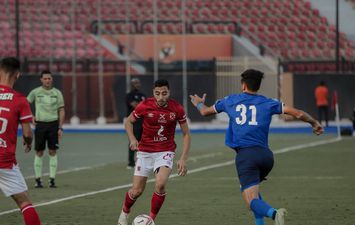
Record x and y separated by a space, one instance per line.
181 166
195 99
60 134
27 147
34 120
133 145
317 128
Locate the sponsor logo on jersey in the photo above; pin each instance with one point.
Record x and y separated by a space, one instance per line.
6 96
160 136
162 118
172 116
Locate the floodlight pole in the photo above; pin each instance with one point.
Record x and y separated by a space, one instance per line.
337 35
17 22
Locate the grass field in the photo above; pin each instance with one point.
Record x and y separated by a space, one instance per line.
316 184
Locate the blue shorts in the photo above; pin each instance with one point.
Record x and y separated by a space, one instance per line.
253 164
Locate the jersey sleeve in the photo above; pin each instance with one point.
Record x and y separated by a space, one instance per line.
60 100
181 115
31 96
25 111
219 106
138 112
276 107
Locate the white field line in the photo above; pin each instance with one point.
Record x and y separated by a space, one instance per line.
279 151
76 169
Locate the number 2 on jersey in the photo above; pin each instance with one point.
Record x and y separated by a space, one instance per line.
242 118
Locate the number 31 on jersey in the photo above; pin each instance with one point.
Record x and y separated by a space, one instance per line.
242 118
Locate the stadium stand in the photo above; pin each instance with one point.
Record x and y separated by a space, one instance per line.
292 29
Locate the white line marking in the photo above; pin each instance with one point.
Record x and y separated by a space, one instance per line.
283 150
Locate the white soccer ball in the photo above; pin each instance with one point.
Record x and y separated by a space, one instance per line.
143 220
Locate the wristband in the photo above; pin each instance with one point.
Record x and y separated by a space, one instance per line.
199 105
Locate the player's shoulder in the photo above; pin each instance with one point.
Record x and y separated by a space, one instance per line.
174 104
37 89
148 102
56 90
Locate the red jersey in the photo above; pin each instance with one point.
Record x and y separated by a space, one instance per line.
321 94
14 109
159 124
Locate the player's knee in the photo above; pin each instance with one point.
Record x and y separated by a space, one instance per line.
52 152
39 153
160 188
136 192
21 199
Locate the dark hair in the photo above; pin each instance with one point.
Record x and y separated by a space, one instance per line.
252 78
161 83
45 72
322 83
10 65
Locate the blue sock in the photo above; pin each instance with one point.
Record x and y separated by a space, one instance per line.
259 220
261 208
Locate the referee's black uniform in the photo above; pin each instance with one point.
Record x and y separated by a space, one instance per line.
134 96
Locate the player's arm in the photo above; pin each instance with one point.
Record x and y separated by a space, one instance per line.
61 113
128 124
199 103
181 163
301 115
27 136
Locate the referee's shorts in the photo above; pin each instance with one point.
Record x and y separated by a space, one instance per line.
46 132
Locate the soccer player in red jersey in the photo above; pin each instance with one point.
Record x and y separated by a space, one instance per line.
14 109
156 149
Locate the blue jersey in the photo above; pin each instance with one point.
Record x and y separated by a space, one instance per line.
249 118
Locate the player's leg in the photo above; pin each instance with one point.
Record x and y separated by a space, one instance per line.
253 165
144 166
13 184
320 114
161 179
162 169
40 141
53 145
132 195
53 166
29 213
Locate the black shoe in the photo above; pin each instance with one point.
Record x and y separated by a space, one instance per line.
52 183
38 183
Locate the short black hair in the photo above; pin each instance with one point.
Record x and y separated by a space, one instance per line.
45 72
322 83
252 78
10 65
161 83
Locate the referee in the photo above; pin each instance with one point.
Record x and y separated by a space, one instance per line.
133 98
49 119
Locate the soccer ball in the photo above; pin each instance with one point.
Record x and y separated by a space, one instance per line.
143 220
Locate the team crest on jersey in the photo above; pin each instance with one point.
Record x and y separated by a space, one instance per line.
172 116
3 143
162 118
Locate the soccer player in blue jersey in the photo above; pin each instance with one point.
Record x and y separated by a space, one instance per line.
250 115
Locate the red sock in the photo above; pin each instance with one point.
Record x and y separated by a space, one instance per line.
157 202
30 215
128 203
